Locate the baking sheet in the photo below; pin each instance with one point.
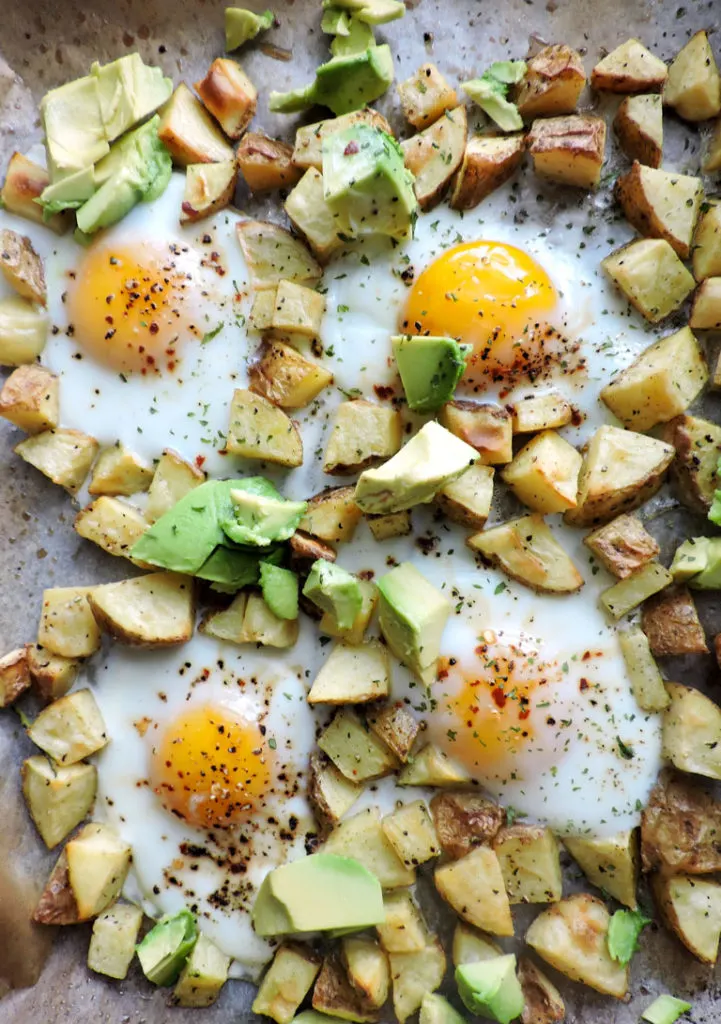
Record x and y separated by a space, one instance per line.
46 42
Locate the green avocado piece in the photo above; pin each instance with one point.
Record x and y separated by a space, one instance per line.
691 558
129 90
663 1010
75 136
335 22
167 946
334 590
491 989
280 590
68 193
430 460
261 519
430 368
366 184
412 615
318 893
372 12
435 1009
241 26
624 929
357 39
230 569
343 84
491 98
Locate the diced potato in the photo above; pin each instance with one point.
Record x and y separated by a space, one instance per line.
471 946
369 598
671 623
622 546
464 821
228 623
627 594
488 162
353 675
204 974
530 864
285 377
265 163
98 861
172 480
396 727
630 68
262 626
112 524
692 909
661 204
706 254
388 525
546 411
468 499
694 470
363 434
52 674
362 838
335 996
527 551
414 975
651 276
332 515
30 398
487 428
639 126
273 255
260 430
308 151
22 267
209 188
544 473
693 86
64 456
229 95
692 732
474 887
572 937
58 797
431 767
435 154
410 832
261 313
57 904
25 182
368 968
706 307
311 217
286 983
112 945
67 625
646 681
544 1003
189 132
329 791
70 729
404 930
569 150
157 610
712 160
298 310
14 676
120 471
553 82
621 470
355 751
425 96
609 862
679 828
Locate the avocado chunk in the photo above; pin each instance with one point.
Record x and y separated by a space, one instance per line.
698 562
128 90
280 590
166 947
412 615
68 193
241 26
491 989
366 184
75 136
430 368
230 569
334 591
261 516
372 12
435 1009
318 893
355 39
664 1009
490 92
343 84
429 461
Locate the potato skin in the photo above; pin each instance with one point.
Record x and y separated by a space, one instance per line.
671 623
488 162
266 163
633 126
57 904
681 829
464 821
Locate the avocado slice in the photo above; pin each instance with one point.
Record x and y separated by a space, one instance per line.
241 26
372 12
343 84
366 184
75 136
129 90
280 590
490 92
664 1009
335 591
167 946
318 893
435 1009
491 989
356 39
230 569
430 368
68 193
260 515
698 562
412 615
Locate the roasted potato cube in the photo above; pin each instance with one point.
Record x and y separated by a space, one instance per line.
30 398
572 937
23 332
414 975
52 674
229 95
228 623
308 150
189 132
70 729
661 204
530 864
693 86
706 306
609 862
369 598
646 681
671 623
434 155
209 188
680 829
260 430
112 945
431 767
286 983
57 902
64 456
336 996
262 310
547 411
488 428
157 610
627 594
332 515
706 254
630 68
355 751
410 832
692 732
553 82
22 267
285 377
622 546
112 524
544 473
120 471
471 946
353 675
404 930
363 434
363 838
368 968
650 275
639 126
474 887
262 626
25 182
488 162
388 525
98 861
298 310
425 96
396 727
312 217
528 552
173 478
273 255
265 163
14 676
467 500
67 625
621 470
464 821
692 909
58 797
694 470
544 1003
569 150
329 791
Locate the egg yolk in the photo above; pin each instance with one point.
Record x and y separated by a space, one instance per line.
489 295
128 306
211 767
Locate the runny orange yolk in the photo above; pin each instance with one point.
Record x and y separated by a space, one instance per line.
128 306
490 295
211 767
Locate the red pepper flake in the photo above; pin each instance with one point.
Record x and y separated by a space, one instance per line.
350 149
200 461
583 685
523 715
499 696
